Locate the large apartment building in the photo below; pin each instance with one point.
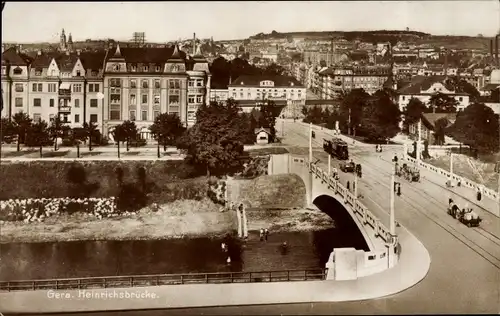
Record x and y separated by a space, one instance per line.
107 87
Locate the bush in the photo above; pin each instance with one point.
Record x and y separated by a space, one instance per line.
138 142
68 142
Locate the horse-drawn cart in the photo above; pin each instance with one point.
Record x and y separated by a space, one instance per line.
466 215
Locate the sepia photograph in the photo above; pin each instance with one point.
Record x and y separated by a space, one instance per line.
250 158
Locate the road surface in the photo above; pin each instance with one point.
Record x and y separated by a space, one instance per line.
465 271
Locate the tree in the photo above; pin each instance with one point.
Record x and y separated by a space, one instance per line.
22 123
214 141
38 135
440 130
477 126
7 129
381 117
463 86
57 129
274 70
167 128
351 109
129 131
91 131
413 112
269 111
442 103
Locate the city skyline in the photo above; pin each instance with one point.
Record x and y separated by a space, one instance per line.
165 21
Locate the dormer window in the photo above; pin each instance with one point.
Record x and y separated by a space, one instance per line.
116 67
18 71
38 72
78 73
133 68
146 68
242 83
93 73
158 69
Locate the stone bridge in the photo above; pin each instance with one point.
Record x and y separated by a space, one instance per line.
344 263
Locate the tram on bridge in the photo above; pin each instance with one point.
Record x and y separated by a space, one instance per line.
337 148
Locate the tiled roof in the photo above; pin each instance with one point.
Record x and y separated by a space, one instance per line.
43 60
93 60
491 86
279 81
67 62
258 130
419 83
12 57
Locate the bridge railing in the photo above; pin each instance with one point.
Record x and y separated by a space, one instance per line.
463 181
349 198
164 279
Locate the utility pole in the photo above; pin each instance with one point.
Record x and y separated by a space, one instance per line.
310 143
393 221
451 164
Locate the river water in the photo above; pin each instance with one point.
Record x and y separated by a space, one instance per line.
27 261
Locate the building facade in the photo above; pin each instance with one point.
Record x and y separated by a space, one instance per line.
106 87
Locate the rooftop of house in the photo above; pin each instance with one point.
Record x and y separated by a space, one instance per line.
430 119
419 83
258 130
14 58
255 80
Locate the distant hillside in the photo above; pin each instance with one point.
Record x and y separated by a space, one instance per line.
467 42
369 36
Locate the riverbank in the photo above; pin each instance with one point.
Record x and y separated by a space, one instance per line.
288 220
178 219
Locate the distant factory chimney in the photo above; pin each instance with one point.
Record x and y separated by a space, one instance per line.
492 47
194 44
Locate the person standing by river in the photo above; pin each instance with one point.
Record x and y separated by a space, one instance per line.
261 234
266 234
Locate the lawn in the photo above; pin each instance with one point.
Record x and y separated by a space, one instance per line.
462 168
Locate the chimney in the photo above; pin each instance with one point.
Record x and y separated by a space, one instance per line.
39 53
78 51
194 44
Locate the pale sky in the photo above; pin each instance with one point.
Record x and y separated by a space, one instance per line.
164 21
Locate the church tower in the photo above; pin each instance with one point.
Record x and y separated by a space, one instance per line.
70 43
62 44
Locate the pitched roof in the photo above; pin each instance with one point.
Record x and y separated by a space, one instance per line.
491 87
146 55
258 130
430 119
93 60
254 80
12 57
419 83
67 62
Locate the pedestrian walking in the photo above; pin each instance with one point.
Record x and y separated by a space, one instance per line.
228 260
262 234
354 186
479 194
223 247
266 234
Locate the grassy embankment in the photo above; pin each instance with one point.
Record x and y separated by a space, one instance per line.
184 209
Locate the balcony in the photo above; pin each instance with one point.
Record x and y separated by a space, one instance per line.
64 109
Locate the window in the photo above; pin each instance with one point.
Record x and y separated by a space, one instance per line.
19 87
52 87
156 114
37 102
241 95
173 99
40 87
133 100
175 84
35 87
115 95
93 87
191 99
93 117
199 83
460 99
199 99
93 103
115 82
234 94
77 103
53 72
191 83
78 74
51 117
37 117
133 83
132 115
77 87
18 71
157 99
157 84
133 68
157 68
77 118
38 72
145 68
19 102
51 103
145 84
93 73
144 115
144 99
